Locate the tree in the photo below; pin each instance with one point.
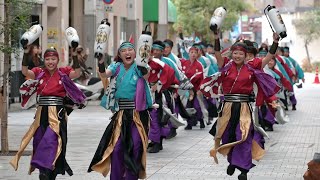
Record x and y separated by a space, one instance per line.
308 28
195 16
16 18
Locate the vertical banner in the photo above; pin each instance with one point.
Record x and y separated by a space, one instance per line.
52 35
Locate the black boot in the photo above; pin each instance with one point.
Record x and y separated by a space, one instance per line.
188 127
173 133
155 148
150 145
209 121
194 122
161 147
294 107
230 170
45 174
54 176
242 176
202 124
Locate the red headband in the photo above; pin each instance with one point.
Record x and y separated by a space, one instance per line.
194 48
240 48
51 53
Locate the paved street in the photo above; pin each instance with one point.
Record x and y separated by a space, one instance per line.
289 149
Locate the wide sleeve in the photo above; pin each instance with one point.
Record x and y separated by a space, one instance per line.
66 70
285 66
256 63
36 71
161 72
113 67
284 81
197 78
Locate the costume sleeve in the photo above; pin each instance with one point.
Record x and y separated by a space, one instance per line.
167 77
261 97
162 73
210 86
226 60
256 63
284 81
113 67
197 79
36 71
299 71
285 66
173 66
66 70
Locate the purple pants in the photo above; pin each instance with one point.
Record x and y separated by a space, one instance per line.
156 131
197 107
118 169
240 155
45 144
293 100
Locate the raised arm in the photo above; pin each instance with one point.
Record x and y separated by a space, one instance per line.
217 48
25 63
104 73
77 70
272 51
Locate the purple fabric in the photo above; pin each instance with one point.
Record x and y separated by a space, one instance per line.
176 108
45 144
170 125
75 94
209 100
226 67
240 155
213 100
267 83
118 169
140 96
40 75
156 131
269 117
293 100
258 137
197 107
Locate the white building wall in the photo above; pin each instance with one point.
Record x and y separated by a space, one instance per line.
293 40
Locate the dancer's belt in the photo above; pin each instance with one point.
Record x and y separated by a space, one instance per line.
126 104
238 98
50 101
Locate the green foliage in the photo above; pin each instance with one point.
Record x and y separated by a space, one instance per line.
315 65
16 22
194 16
308 26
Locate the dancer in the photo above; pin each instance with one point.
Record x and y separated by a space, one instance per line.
49 128
234 126
124 143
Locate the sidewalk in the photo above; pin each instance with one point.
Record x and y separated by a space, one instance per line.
290 147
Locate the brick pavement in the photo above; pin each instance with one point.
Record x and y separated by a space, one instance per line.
186 156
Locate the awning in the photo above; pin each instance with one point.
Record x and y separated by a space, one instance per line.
151 11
